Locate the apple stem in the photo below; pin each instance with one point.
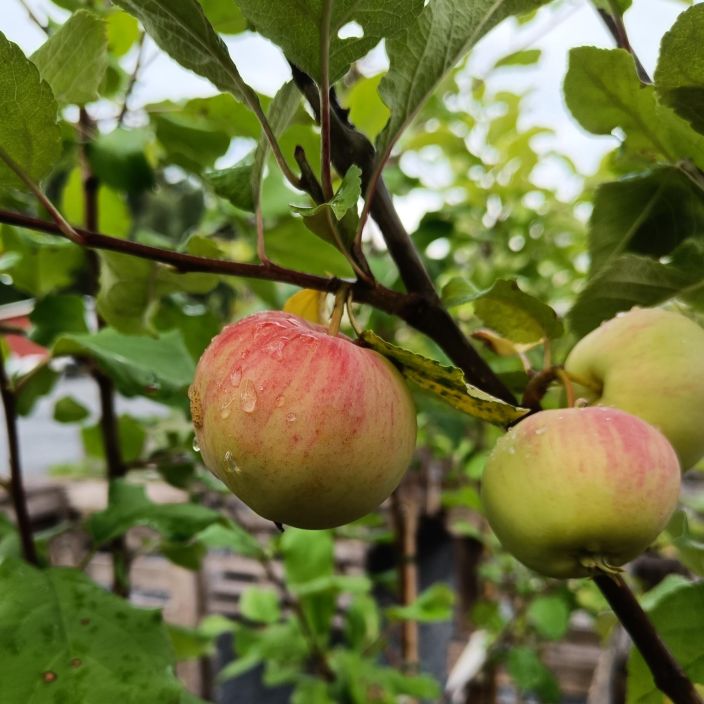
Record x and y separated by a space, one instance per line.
337 311
567 384
667 673
547 353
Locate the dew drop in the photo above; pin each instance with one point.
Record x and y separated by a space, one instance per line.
196 446
248 397
279 401
276 349
291 417
226 410
260 388
230 464
540 431
236 377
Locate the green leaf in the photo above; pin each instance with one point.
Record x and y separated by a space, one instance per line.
679 77
526 57
367 111
678 617
224 15
446 382
432 45
113 214
182 30
68 410
242 183
65 639
189 144
690 549
362 622
530 675
119 160
123 32
29 132
129 506
603 92
260 604
74 58
340 213
649 214
512 313
55 315
549 615
295 25
159 367
311 691
131 289
435 603
131 436
631 280
35 385
227 535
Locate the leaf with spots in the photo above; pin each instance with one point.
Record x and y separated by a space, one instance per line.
446 382
65 639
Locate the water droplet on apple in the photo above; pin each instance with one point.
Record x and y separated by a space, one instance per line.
236 377
248 397
260 387
279 401
196 446
291 417
230 464
276 349
540 431
225 411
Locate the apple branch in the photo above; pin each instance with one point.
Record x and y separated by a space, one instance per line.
667 673
16 485
326 175
349 147
108 417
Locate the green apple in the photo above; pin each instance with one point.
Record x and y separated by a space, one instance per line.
649 362
307 428
573 490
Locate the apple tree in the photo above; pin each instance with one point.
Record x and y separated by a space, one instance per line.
142 231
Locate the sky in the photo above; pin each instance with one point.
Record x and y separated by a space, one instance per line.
558 28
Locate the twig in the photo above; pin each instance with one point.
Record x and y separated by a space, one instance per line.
668 675
58 218
614 23
33 17
133 79
326 175
17 492
309 182
261 246
108 417
404 511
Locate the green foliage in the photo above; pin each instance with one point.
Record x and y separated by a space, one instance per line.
29 133
679 78
677 615
74 59
63 636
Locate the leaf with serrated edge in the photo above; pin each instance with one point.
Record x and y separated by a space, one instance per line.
419 58
446 382
679 77
29 132
64 638
74 59
295 26
182 30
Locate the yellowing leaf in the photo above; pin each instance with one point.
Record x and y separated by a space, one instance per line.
446 382
307 304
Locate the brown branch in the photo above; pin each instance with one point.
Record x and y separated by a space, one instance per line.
108 418
429 315
669 676
326 175
17 492
133 79
614 23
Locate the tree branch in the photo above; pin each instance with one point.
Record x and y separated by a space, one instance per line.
429 315
614 23
669 676
17 493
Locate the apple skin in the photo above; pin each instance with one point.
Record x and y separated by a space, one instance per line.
568 489
307 428
649 362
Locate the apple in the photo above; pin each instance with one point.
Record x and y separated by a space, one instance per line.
307 428
649 362
573 490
